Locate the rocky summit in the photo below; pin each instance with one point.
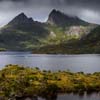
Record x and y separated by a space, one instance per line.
58 18
21 19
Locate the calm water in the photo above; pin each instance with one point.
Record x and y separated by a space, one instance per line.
75 63
77 97
94 96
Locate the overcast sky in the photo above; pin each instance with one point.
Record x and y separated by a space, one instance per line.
88 10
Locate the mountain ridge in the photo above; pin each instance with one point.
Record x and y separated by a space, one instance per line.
21 19
61 19
23 33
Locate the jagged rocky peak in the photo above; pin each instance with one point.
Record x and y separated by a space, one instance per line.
21 19
31 19
53 17
21 15
59 18
54 11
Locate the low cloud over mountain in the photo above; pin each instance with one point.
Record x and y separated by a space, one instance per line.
39 9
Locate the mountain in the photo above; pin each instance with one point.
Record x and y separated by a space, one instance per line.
21 33
91 41
63 27
25 24
21 19
88 44
60 19
56 34
72 35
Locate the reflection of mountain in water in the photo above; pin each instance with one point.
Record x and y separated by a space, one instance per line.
72 96
34 98
25 98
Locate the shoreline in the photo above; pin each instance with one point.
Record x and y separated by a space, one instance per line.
22 81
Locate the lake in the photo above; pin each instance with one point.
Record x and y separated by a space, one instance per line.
87 63
75 63
94 96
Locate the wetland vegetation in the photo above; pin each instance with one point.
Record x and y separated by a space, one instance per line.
19 81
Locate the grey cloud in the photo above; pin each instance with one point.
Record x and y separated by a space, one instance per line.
88 10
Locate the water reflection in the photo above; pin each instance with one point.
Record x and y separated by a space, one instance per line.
25 98
72 96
